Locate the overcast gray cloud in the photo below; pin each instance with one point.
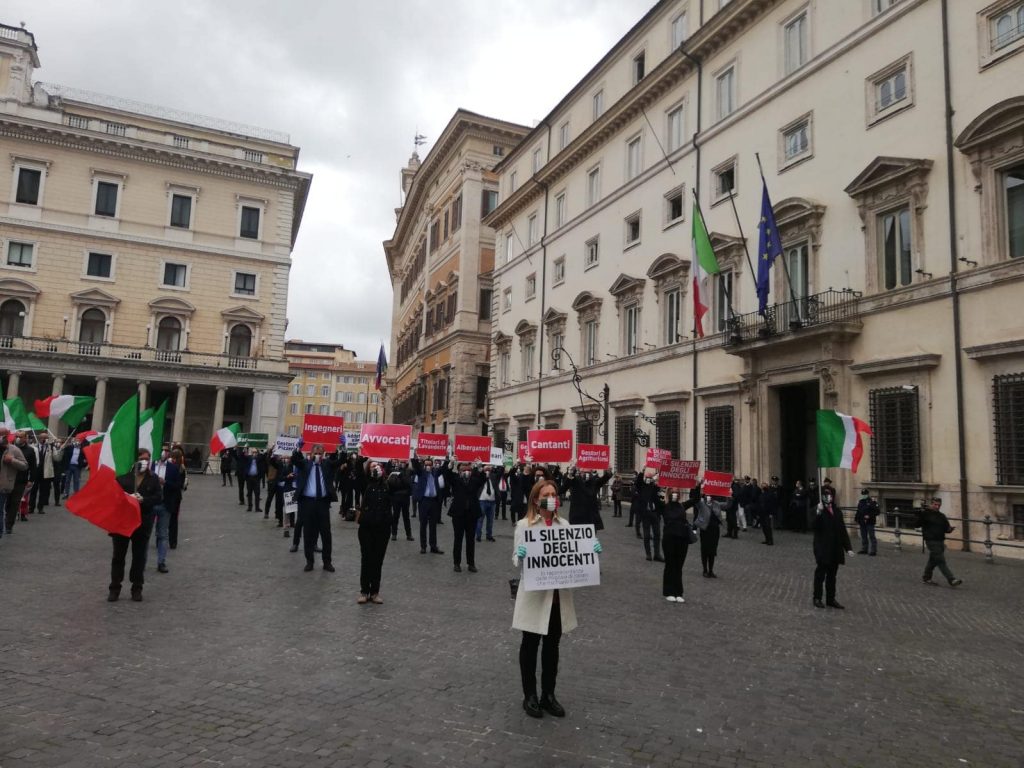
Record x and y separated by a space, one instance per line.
351 82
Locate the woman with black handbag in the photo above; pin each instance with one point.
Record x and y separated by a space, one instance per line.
676 537
374 518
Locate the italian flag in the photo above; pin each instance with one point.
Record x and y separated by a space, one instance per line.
704 266
15 415
121 441
151 429
225 438
839 440
70 409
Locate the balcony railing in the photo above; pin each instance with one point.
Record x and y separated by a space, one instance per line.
830 306
164 357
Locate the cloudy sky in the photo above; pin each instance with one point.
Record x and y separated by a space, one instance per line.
351 82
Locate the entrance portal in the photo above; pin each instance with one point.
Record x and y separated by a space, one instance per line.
798 441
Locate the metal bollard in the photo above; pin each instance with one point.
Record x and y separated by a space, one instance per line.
896 530
988 538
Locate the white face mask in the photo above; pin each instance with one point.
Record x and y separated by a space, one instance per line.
648 480
675 497
142 465
550 503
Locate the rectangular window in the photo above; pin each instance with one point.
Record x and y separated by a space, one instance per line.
894 230
560 210
531 285
597 103
482 383
486 297
593 253
106 198
639 67
457 214
674 206
99 265
536 160
725 92
531 230
563 135
513 181
310 388
724 178
488 201
631 330
1008 401
797 286
509 247
667 432
506 301
252 155
181 211
634 161
673 314
250 223
521 432
723 300
584 430
29 181
1007 26
175 275
896 444
557 345
504 361
891 89
1013 184
528 354
76 121
324 410
633 229
435 235
558 271
497 150
625 452
348 397
590 342
674 131
445 231
718 438
796 140
293 409
116 129
180 142
678 30
325 391
296 389
593 185
245 283
795 44
20 254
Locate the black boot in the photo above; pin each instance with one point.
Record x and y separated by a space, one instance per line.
550 704
113 594
532 707
137 594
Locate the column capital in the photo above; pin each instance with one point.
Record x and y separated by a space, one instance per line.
182 386
104 379
144 382
57 375
222 389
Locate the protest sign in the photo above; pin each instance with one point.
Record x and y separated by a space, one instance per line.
285 445
549 446
431 444
521 452
327 431
717 484
589 456
472 448
681 473
560 557
253 439
658 458
387 442
497 457
351 441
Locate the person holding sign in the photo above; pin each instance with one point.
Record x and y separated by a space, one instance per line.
648 503
426 492
314 484
541 615
676 543
584 502
374 518
464 510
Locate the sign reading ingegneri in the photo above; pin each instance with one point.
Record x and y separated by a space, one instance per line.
560 557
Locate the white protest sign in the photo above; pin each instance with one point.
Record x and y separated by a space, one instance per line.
497 457
285 445
351 441
560 557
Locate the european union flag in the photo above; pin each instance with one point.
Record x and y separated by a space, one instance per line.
769 248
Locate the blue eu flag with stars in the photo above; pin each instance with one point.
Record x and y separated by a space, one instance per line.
769 248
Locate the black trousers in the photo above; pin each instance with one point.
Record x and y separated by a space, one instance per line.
139 542
252 490
732 527
766 528
825 574
279 505
225 478
518 511
272 493
172 502
13 505
652 526
709 547
400 509
430 512
616 508
548 658
676 548
316 521
241 488
501 505
346 498
39 497
373 545
464 527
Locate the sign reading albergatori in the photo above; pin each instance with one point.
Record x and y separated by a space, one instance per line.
560 557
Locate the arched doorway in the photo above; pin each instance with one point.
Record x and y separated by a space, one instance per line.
12 318
240 341
168 334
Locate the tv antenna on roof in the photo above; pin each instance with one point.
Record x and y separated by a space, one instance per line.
419 140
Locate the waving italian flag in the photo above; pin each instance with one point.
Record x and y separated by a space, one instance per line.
705 265
225 438
839 440
70 409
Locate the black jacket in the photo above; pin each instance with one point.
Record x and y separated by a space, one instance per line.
768 502
674 516
465 493
646 501
399 484
301 467
934 525
375 504
584 503
867 511
148 489
831 539
27 475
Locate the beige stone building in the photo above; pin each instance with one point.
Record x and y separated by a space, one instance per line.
143 249
440 260
891 134
328 380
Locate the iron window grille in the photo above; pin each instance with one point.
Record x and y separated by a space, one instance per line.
1018 522
896 444
667 431
625 455
521 434
905 507
718 438
1008 400
584 431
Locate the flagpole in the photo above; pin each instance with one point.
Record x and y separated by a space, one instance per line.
743 239
785 265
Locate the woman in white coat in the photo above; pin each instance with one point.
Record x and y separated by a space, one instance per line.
541 615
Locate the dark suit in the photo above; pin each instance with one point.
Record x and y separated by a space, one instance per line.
429 506
174 484
831 543
152 495
464 511
584 504
315 502
648 506
238 458
253 479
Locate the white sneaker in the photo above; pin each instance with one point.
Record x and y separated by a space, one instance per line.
680 600
670 598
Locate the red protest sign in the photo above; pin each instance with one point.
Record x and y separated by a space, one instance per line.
328 431
717 484
590 456
521 452
658 458
473 448
430 444
681 473
385 441
550 446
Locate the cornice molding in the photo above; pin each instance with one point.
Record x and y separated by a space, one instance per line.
896 364
997 349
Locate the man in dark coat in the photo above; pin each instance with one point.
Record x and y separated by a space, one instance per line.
584 488
314 486
831 545
648 505
426 491
238 462
767 507
464 509
254 465
399 485
144 486
934 527
866 517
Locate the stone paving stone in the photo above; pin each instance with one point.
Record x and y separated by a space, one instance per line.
238 657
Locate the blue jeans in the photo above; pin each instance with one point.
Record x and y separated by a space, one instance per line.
487 510
163 521
867 536
74 477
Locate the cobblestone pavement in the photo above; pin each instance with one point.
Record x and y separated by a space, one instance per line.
238 657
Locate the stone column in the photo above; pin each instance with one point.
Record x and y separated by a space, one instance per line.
97 408
256 413
143 395
58 389
218 409
178 430
12 384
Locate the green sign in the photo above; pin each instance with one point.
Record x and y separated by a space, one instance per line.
508 460
253 439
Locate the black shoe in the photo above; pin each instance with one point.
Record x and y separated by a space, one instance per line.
862 552
550 704
293 549
162 567
458 568
472 569
409 538
834 604
491 538
423 550
659 559
328 567
872 554
532 707
818 603
394 537
436 551
925 579
280 525
174 546
266 516
705 574
711 575
112 595
40 512
309 567
137 595
639 536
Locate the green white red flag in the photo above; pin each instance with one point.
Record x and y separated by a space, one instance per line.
704 266
840 441
224 438
121 441
151 429
70 409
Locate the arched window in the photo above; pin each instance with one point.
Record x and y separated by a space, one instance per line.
240 341
12 318
168 334
93 326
